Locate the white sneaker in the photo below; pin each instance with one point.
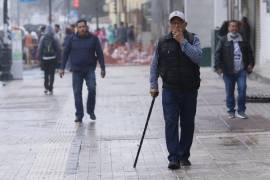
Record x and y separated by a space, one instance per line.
231 115
241 115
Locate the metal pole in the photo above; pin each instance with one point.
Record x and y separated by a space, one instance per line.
117 12
6 61
125 11
97 8
145 127
18 13
6 24
5 11
240 9
229 9
50 12
186 9
170 6
68 10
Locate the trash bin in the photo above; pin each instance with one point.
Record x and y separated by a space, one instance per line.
5 62
1 53
214 40
206 57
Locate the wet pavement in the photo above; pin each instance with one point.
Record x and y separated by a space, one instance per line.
39 139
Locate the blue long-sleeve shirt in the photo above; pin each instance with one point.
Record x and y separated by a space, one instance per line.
84 52
193 51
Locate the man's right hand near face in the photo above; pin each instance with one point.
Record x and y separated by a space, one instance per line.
178 35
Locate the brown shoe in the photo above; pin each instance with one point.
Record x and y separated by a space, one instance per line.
77 120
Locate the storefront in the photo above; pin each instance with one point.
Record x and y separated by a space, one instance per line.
258 15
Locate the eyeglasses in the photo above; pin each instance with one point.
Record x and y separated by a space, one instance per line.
175 23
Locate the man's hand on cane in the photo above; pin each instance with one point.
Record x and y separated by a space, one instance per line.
219 71
154 92
61 73
250 69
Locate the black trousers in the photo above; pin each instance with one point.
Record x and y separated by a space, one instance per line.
49 72
179 106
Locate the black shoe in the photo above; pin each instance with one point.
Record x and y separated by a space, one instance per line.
92 116
185 162
174 165
51 92
77 120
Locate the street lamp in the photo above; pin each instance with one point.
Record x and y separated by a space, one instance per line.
68 10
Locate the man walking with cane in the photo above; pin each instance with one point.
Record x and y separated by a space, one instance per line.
176 60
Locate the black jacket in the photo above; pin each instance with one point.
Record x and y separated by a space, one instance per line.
84 52
175 67
224 55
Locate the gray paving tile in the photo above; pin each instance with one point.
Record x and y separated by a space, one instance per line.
40 141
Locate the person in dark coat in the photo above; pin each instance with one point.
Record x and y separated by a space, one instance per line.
122 34
83 49
130 37
234 60
176 60
49 53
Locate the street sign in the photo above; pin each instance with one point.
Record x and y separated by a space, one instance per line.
28 1
74 15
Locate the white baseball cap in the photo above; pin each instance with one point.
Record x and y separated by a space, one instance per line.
179 14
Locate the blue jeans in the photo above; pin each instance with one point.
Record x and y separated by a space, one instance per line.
77 82
230 80
177 104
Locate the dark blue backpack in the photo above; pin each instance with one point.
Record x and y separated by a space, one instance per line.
48 48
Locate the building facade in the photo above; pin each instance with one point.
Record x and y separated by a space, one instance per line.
160 11
150 17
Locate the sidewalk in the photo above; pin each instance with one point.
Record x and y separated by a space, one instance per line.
262 73
39 139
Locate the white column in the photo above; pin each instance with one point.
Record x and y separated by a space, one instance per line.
186 9
264 31
17 55
220 12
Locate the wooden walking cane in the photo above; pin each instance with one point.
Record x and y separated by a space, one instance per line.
145 127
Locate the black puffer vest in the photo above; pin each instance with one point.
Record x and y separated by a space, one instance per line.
175 67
